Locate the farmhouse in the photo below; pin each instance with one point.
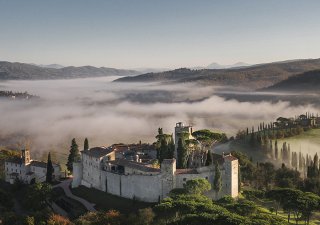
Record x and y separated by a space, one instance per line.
27 170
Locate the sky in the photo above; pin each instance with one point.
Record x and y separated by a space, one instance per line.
158 34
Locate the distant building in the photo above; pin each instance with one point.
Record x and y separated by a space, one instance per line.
27 170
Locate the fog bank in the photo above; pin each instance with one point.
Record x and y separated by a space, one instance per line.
107 112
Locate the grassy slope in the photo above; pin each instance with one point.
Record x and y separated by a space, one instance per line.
74 208
105 201
308 142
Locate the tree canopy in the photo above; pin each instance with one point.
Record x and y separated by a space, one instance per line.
197 186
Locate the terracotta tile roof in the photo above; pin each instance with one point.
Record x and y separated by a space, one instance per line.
98 152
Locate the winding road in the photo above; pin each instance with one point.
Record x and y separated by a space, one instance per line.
65 185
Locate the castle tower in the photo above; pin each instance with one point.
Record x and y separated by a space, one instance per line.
178 130
77 174
168 170
231 179
25 155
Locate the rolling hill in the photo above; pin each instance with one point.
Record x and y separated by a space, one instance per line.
23 71
253 77
305 82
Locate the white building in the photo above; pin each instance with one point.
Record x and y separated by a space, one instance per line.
27 170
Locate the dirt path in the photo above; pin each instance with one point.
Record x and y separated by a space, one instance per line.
65 185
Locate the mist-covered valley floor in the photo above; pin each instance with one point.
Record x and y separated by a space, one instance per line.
108 112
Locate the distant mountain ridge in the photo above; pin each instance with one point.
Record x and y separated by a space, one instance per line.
54 66
305 82
254 77
23 71
219 66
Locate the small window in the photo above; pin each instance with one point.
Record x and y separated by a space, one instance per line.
184 179
206 178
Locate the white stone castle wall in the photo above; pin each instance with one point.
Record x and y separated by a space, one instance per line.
77 174
40 173
141 187
91 171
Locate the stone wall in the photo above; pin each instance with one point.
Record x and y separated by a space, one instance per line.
77 174
145 188
91 170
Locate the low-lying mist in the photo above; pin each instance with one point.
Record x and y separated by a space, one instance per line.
108 113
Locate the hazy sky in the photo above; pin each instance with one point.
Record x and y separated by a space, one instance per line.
166 33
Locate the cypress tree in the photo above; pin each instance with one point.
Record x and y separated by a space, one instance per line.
217 180
73 155
50 169
316 165
252 139
276 153
171 148
300 161
316 161
285 152
182 154
209 159
163 150
86 144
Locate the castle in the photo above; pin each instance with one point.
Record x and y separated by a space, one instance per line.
27 170
103 168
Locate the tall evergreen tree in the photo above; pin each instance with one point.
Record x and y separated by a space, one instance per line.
86 144
73 155
50 169
181 154
163 150
276 151
316 161
171 148
209 159
252 139
300 161
217 180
